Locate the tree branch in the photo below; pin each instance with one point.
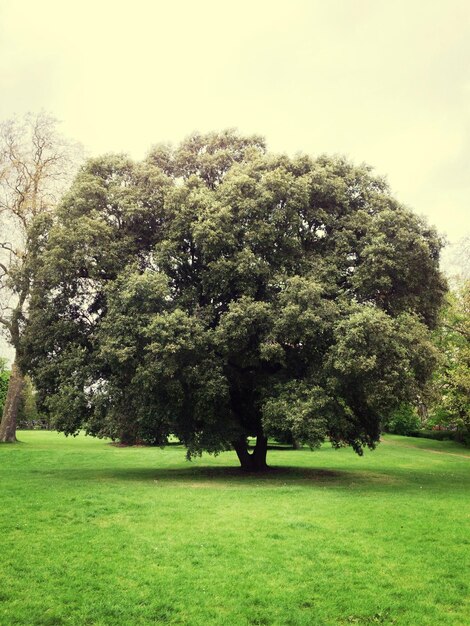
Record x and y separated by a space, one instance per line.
457 329
5 322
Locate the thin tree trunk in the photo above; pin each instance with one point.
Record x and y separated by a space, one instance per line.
12 403
423 413
256 461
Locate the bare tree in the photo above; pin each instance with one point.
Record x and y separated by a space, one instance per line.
36 165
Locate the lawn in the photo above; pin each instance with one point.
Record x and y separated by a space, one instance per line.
92 534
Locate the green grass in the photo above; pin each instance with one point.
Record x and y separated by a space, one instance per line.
92 534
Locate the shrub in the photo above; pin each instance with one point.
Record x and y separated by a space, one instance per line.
403 420
443 435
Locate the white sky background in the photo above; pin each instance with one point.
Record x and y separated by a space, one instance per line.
382 81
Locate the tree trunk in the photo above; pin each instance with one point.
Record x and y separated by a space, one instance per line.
296 444
256 461
423 413
12 403
128 436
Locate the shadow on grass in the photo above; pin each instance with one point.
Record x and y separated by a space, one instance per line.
208 476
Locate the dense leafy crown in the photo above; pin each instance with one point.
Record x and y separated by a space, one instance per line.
216 291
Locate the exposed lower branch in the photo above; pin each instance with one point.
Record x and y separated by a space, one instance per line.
4 322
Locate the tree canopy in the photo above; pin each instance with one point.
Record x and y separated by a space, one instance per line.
215 291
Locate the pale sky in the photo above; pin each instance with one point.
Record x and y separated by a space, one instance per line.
381 81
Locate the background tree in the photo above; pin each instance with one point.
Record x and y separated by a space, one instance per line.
28 414
403 421
36 164
216 292
452 378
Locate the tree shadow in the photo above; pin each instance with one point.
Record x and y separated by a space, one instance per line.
282 446
229 476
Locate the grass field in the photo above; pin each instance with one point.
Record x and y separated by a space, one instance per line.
92 534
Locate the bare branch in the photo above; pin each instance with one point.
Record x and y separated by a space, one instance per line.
35 165
4 322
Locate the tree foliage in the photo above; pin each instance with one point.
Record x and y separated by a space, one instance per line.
403 421
452 379
215 291
4 378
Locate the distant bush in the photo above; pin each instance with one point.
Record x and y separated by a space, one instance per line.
439 435
443 435
403 421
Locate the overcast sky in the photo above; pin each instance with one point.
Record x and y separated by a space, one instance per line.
382 81
386 82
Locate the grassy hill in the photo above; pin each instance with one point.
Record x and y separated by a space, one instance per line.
92 534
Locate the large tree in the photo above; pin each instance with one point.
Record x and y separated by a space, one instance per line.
36 164
218 292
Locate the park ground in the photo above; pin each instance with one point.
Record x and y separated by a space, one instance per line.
98 535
